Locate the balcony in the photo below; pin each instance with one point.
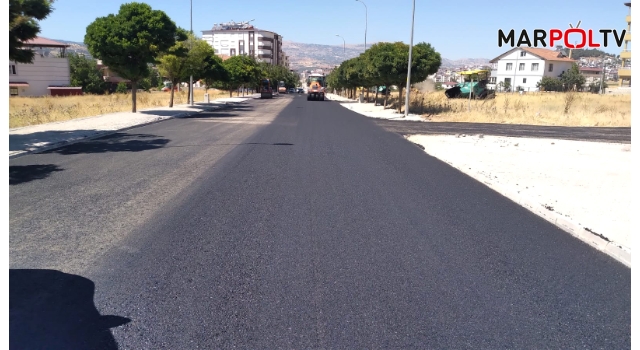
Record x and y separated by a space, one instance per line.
624 72
270 48
270 40
625 54
265 56
627 37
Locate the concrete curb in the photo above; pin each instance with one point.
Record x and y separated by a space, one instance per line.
611 248
110 132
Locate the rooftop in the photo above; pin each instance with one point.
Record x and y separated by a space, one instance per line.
44 42
545 54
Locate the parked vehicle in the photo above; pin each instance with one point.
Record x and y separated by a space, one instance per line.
266 91
281 88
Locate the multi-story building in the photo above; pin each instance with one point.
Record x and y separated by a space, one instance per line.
48 74
624 72
231 39
524 67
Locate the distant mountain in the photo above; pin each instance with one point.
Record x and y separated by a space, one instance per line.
309 56
75 47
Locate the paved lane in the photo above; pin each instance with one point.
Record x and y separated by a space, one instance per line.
312 229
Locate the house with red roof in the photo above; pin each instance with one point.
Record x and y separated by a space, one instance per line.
49 73
522 68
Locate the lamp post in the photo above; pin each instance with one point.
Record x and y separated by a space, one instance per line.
344 44
406 101
365 23
190 47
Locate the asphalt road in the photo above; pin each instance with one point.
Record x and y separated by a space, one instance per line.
288 223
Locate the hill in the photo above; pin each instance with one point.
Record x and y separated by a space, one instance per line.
309 56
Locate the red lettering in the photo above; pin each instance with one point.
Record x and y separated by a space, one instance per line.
591 43
554 35
577 31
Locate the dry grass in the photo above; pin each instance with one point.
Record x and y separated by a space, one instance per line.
561 109
24 111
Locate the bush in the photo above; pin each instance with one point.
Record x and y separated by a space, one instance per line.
121 88
550 84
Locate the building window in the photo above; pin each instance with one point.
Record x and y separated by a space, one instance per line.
522 54
534 67
509 66
13 91
524 80
12 69
225 43
233 53
241 47
521 67
550 67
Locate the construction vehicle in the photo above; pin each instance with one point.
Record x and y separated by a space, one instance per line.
473 86
282 89
266 91
316 84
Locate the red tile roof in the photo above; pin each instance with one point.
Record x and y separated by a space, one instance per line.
40 41
545 54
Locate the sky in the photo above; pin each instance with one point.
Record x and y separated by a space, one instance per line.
456 29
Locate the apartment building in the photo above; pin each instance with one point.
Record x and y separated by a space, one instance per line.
231 39
624 73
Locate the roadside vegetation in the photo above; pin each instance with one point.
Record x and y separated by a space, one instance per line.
385 65
143 46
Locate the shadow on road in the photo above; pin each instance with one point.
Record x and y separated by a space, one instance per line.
19 142
117 142
49 309
19 174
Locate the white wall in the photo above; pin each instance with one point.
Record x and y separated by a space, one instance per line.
532 77
223 42
44 72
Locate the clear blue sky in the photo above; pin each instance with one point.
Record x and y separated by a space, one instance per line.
457 29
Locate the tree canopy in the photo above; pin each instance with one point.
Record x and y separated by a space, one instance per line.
85 73
386 64
131 39
23 26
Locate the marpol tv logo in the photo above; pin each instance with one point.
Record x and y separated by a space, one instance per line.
572 38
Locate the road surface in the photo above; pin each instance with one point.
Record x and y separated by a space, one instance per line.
288 223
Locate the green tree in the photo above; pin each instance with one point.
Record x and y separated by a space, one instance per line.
121 88
23 26
550 84
131 39
242 70
214 71
572 78
85 73
424 62
173 66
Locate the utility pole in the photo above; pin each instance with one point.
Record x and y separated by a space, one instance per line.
366 15
190 47
602 78
406 101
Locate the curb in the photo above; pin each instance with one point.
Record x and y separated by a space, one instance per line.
110 132
620 253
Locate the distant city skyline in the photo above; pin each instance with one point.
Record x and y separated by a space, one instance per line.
455 29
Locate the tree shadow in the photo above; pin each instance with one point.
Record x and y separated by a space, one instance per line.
117 142
21 142
50 309
19 174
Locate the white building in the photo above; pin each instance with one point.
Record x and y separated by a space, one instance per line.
231 39
49 74
524 67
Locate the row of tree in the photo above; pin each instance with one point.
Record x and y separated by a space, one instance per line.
144 46
385 64
137 38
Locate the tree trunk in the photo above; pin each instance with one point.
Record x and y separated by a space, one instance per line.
375 99
231 92
400 103
134 88
368 94
386 96
173 87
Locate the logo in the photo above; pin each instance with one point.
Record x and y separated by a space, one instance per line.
572 38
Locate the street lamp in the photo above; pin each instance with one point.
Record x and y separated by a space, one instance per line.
365 24
190 47
344 44
406 101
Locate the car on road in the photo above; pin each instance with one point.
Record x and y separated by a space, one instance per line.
300 90
292 90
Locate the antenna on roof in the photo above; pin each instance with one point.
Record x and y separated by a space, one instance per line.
577 26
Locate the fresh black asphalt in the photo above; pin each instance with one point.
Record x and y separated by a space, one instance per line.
315 229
